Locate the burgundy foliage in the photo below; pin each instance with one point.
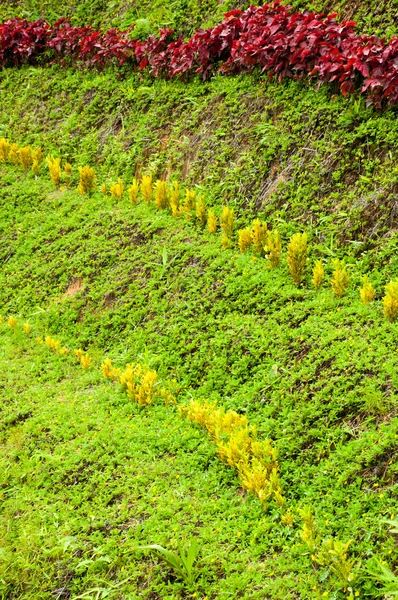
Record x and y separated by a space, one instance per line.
271 37
22 41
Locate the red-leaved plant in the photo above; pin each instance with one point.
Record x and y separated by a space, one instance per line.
274 38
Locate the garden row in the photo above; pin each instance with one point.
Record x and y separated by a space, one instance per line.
237 444
263 242
254 460
273 37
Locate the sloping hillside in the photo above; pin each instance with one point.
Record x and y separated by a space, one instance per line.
140 282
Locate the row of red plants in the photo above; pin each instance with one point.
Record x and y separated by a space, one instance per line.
281 41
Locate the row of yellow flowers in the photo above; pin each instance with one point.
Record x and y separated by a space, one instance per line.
256 461
257 237
237 444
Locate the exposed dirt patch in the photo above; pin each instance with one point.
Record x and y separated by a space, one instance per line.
74 287
109 299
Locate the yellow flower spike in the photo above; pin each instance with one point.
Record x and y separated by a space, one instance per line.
5 147
85 361
52 343
63 351
108 371
161 199
25 157
39 340
174 199
340 279
87 180
273 248
390 301
54 166
133 191
201 210
147 188
78 353
12 322
117 189
245 239
318 273
211 221
227 221
37 158
367 292
279 499
226 242
27 328
139 383
13 155
297 256
287 519
67 173
259 235
189 203
255 461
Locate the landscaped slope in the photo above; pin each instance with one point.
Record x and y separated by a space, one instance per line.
315 374
88 475
262 147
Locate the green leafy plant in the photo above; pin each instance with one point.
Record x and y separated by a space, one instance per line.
181 563
379 571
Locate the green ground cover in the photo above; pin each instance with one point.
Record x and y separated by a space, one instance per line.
86 475
283 150
315 374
